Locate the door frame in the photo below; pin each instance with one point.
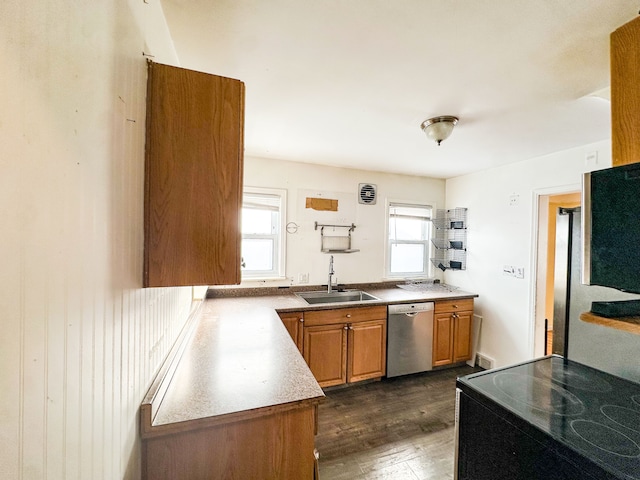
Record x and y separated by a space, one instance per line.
538 293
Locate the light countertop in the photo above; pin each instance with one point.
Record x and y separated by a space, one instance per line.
285 300
239 359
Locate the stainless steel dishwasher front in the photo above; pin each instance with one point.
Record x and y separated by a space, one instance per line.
409 338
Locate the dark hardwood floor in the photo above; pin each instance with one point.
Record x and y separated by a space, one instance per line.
398 428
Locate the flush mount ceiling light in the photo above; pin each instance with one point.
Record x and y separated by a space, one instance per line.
439 128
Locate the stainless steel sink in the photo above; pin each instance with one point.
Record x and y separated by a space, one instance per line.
313 298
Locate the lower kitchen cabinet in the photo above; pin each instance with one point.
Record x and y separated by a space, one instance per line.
345 345
442 339
452 324
325 351
367 355
274 445
293 322
462 336
214 412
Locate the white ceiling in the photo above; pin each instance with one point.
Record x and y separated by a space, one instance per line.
348 82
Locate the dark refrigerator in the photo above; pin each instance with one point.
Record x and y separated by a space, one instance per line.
613 351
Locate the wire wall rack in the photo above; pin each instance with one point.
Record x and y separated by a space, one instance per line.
450 239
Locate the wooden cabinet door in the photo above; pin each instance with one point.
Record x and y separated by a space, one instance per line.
625 96
325 351
442 339
462 336
293 322
193 178
367 350
270 445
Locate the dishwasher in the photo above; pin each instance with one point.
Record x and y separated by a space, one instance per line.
409 338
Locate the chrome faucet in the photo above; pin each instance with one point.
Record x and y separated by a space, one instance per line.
331 273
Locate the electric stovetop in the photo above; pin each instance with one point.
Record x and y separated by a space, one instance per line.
593 413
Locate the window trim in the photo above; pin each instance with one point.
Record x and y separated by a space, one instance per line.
427 266
279 265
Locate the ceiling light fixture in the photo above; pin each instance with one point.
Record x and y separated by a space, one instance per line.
439 128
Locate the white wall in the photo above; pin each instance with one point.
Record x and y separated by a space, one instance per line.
303 248
500 234
80 340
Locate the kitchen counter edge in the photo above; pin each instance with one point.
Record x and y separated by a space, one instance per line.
168 409
189 394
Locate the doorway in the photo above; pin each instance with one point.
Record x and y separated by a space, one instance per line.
548 205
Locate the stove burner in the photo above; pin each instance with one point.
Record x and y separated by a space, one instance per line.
540 394
605 438
622 416
574 376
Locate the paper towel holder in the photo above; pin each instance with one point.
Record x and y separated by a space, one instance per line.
336 243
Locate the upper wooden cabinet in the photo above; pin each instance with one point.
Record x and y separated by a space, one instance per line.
625 93
193 178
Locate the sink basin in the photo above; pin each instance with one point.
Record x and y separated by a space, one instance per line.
313 298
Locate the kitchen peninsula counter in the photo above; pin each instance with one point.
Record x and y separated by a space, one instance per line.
235 395
235 392
239 358
236 357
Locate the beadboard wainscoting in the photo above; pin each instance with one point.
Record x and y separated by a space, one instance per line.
80 339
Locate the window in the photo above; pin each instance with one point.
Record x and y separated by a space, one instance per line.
263 213
408 240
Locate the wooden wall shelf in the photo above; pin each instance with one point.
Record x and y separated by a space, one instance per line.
628 324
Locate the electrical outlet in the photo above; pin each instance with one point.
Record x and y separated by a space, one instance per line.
511 271
303 278
514 200
591 158
484 361
508 270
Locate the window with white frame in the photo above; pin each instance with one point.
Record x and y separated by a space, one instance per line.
408 240
263 246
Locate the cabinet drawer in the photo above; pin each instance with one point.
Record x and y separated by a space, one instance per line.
454 305
344 315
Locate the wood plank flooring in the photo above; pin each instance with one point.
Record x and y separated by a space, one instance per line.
399 428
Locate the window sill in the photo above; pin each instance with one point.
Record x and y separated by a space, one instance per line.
262 279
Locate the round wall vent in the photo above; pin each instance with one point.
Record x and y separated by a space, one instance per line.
367 194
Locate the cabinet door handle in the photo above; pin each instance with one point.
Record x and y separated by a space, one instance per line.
302 319
348 315
454 306
346 327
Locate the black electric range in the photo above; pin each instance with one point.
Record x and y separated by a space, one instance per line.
549 418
